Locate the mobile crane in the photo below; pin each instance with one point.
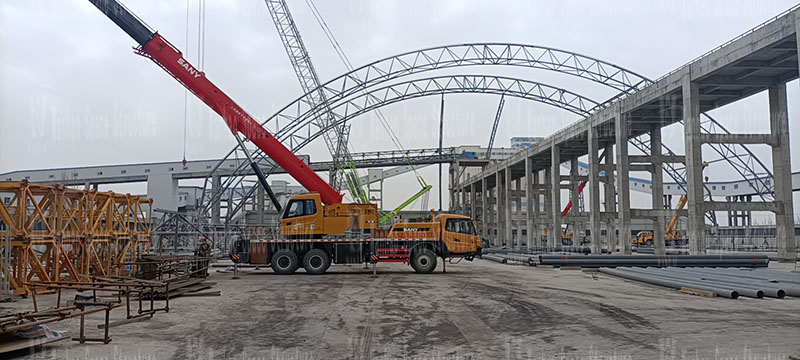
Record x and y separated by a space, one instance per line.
671 235
315 227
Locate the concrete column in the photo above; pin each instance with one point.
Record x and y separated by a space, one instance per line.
548 205
493 209
782 170
500 208
623 182
532 200
484 217
554 235
465 199
451 190
518 213
610 194
694 166
573 197
507 214
594 191
215 208
472 199
657 191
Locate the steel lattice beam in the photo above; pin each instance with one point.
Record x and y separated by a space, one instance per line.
335 139
494 126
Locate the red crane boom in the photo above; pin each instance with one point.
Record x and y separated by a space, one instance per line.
155 47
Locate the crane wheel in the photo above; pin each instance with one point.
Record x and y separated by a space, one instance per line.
423 261
316 261
284 262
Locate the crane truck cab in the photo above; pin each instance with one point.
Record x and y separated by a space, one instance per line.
450 235
305 216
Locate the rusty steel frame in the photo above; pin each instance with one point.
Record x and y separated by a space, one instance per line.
63 234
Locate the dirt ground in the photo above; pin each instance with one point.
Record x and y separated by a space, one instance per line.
476 310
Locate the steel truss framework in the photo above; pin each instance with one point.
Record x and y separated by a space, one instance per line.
379 97
57 233
442 57
335 139
294 124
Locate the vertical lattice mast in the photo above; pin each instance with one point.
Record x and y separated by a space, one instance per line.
336 138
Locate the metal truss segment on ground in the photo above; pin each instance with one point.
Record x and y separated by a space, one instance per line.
55 233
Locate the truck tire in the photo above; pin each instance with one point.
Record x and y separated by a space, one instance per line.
423 261
316 261
284 262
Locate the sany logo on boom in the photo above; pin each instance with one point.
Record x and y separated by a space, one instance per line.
191 70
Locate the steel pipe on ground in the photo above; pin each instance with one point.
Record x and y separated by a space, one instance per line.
771 289
743 290
494 258
765 274
528 259
724 292
654 261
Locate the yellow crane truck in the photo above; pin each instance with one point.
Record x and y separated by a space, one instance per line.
312 240
317 228
671 235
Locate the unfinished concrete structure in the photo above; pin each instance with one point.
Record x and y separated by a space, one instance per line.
763 59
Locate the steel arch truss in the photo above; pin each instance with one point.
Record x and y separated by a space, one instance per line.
379 97
442 57
360 80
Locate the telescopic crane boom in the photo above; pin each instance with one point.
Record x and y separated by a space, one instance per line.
155 47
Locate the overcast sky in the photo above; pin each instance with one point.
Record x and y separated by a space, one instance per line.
73 93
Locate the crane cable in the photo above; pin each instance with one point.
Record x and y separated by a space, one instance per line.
340 52
201 39
186 91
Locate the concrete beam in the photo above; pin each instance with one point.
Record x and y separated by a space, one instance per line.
774 207
662 159
654 213
641 167
575 177
738 139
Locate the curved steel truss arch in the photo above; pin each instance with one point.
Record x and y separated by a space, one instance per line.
443 57
383 96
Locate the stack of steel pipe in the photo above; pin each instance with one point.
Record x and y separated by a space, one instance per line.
495 258
522 258
645 251
539 250
789 282
595 261
723 283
